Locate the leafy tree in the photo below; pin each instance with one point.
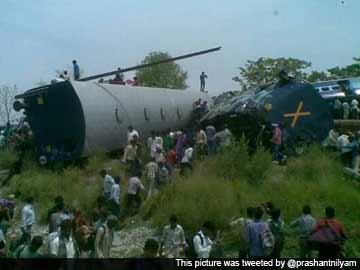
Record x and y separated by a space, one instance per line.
315 76
352 70
265 70
167 75
7 98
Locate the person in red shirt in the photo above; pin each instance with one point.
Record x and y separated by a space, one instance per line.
170 160
276 141
331 250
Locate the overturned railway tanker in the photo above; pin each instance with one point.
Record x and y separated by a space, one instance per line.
71 119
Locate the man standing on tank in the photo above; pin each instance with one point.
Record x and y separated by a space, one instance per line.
76 70
203 76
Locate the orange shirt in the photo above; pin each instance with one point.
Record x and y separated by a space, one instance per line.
334 224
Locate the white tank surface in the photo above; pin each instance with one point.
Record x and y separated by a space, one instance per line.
72 119
109 109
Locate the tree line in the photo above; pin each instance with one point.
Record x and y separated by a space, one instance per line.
265 70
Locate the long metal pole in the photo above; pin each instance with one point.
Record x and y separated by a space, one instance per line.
94 77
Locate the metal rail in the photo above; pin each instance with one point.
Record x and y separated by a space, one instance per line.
94 77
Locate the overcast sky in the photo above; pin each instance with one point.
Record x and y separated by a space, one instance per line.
40 36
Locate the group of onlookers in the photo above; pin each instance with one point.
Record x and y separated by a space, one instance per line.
267 238
345 110
258 237
15 137
173 149
70 235
347 145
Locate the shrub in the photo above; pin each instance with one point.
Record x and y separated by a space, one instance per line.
231 159
257 168
44 186
234 162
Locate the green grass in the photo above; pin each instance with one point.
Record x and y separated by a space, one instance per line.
222 188
7 158
78 190
79 187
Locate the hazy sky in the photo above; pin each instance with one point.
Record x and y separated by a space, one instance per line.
40 36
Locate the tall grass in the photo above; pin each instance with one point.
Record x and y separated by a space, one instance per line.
233 163
78 190
79 186
222 188
7 158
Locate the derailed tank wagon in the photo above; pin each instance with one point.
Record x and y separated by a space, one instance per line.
73 119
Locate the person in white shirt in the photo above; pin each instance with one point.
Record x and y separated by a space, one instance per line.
115 197
115 191
151 145
133 199
132 134
154 143
201 143
130 152
159 155
151 175
159 142
202 242
66 75
223 138
63 245
2 139
173 239
346 149
186 159
27 219
2 237
108 183
57 218
164 177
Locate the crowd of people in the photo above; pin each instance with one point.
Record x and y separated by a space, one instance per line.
347 145
71 235
345 110
15 136
266 238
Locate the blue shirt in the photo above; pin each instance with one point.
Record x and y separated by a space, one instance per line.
305 223
76 71
27 216
253 236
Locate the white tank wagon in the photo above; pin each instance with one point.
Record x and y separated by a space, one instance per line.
72 119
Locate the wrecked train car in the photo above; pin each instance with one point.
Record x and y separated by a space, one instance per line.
296 106
71 119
